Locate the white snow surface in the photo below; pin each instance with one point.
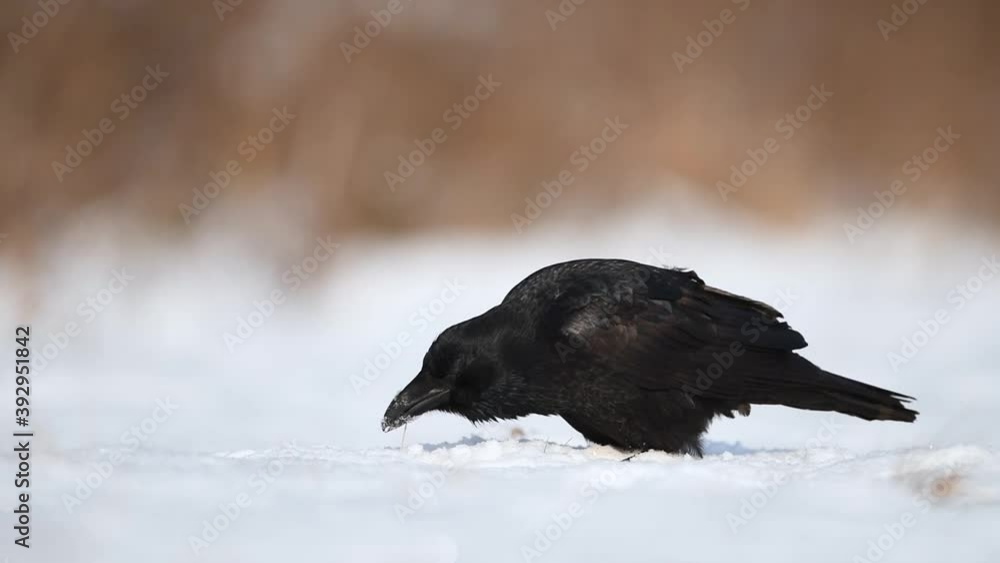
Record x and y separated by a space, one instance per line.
272 450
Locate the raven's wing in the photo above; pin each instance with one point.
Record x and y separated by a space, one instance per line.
666 330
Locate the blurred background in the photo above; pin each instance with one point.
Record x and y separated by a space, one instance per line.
360 101
265 212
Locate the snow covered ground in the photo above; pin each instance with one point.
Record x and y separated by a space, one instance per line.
167 431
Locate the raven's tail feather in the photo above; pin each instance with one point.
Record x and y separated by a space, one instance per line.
872 403
812 388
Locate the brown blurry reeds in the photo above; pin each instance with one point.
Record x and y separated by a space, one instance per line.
607 59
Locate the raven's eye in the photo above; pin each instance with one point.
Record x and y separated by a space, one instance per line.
440 360
435 367
477 376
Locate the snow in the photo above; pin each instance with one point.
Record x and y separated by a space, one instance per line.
157 442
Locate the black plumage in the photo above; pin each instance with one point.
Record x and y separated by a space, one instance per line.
633 356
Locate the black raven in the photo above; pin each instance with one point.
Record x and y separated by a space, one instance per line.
633 356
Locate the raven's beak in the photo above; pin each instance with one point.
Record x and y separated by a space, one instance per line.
420 396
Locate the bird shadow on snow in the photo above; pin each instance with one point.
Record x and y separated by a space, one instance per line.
736 448
466 441
473 440
710 448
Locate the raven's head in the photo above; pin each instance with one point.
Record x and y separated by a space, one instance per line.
464 373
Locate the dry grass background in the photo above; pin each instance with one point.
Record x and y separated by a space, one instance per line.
608 59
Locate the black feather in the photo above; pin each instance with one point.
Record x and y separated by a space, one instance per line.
633 356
